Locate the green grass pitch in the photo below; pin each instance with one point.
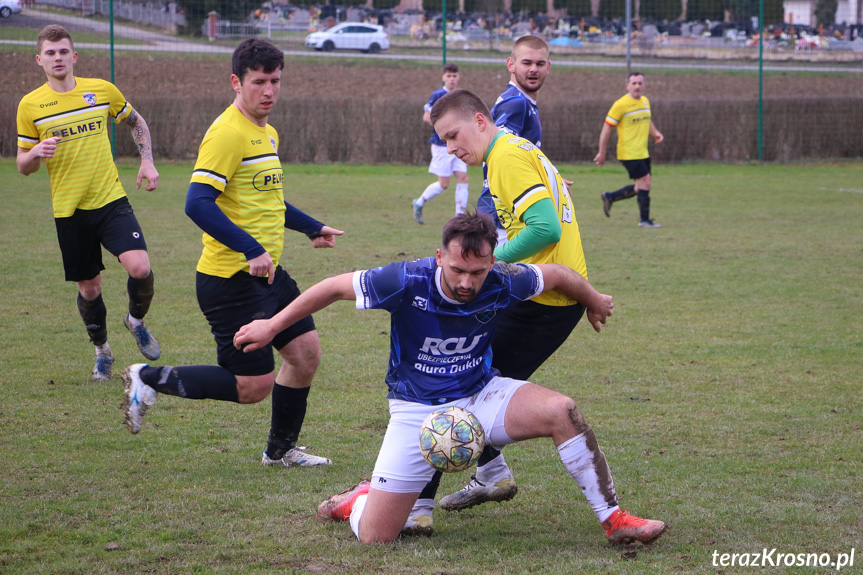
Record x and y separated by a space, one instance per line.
725 390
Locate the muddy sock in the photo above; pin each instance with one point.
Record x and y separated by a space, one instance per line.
193 382
289 411
140 295
95 317
586 464
622 194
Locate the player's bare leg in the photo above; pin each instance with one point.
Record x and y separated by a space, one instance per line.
535 411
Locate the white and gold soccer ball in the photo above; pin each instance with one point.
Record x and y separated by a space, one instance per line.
451 439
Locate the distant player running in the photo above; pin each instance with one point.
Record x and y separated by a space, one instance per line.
450 303
633 119
442 164
236 197
65 123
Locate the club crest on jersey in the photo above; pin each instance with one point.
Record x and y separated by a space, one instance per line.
90 98
420 302
485 316
273 143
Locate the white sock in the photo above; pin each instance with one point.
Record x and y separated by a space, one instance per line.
422 505
133 321
357 512
461 198
494 471
586 464
430 192
104 350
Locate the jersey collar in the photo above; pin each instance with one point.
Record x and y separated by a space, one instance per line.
494 140
523 93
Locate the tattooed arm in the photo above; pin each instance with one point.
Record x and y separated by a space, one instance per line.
141 137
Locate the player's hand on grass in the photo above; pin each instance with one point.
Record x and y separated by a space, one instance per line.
598 313
567 183
148 172
599 160
262 267
327 239
254 335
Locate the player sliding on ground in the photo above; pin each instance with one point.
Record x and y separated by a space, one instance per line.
443 315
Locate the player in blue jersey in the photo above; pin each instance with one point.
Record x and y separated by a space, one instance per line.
444 311
442 164
515 109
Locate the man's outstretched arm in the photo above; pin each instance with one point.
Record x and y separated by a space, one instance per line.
260 332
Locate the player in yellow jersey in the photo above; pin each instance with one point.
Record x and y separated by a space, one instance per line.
534 206
65 123
632 117
236 198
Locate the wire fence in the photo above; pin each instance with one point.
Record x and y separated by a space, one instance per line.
172 62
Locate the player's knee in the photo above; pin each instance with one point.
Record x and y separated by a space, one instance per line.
567 414
253 389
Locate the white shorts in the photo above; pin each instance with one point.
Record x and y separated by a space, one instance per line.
444 165
401 468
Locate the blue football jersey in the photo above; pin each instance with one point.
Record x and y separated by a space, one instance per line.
518 114
440 350
436 95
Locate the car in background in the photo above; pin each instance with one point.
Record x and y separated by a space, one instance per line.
350 36
9 7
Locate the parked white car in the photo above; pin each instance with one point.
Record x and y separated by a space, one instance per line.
9 7
350 36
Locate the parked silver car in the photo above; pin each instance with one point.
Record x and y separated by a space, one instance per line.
9 7
350 36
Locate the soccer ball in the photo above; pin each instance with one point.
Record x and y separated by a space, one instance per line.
451 439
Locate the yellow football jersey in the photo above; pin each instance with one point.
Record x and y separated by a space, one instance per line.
240 159
519 175
632 119
82 171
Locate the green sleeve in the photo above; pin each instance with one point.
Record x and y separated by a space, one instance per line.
542 229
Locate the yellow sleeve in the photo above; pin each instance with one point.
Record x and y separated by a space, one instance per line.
28 135
615 114
120 108
219 156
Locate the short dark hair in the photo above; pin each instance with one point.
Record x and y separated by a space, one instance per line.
534 42
255 54
464 102
475 232
52 33
451 68
633 73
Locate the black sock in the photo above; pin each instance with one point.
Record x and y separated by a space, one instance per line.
289 411
488 453
644 204
430 490
193 382
95 317
622 194
140 295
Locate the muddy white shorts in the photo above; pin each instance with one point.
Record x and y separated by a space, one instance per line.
401 468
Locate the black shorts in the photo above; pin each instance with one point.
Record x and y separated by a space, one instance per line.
528 334
637 168
231 303
82 234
